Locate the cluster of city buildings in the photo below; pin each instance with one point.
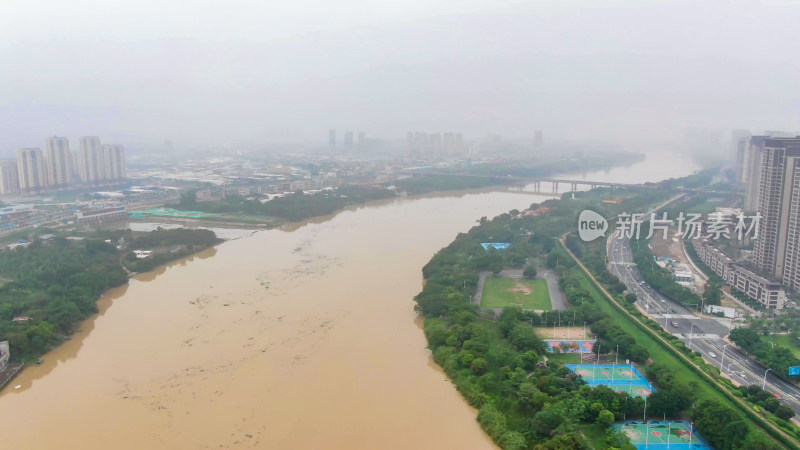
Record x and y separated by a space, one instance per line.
767 292
771 175
448 143
57 167
349 142
768 168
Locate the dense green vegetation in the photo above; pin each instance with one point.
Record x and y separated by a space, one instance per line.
660 278
55 285
789 341
423 184
174 244
726 429
775 357
292 207
498 364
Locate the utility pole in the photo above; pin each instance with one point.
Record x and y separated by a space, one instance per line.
722 360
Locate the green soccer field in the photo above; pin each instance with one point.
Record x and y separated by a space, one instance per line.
502 292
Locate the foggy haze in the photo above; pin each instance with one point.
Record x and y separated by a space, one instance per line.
213 73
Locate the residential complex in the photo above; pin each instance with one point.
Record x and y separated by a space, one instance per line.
9 176
768 293
750 169
31 168
57 167
769 169
59 161
115 162
92 161
778 193
435 143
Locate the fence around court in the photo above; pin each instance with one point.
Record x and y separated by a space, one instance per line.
661 435
620 377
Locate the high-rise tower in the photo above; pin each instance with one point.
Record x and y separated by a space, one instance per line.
57 161
92 162
114 156
31 169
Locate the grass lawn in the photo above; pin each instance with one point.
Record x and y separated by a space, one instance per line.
564 358
785 340
502 292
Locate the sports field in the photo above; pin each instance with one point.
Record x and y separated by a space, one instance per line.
528 294
678 435
620 377
577 346
168 212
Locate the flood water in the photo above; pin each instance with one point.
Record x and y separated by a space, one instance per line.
303 337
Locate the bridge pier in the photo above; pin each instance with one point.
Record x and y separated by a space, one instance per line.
573 184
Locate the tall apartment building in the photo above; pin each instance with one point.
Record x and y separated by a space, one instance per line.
31 168
58 161
114 156
777 249
741 155
538 138
92 160
9 176
362 139
751 170
348 140
75 162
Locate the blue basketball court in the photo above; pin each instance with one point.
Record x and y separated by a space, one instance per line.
620 377
663 435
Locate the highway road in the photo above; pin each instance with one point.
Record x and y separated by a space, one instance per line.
701 334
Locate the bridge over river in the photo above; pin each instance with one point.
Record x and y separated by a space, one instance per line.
534 184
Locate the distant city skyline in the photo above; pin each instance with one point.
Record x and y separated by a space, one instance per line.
34 170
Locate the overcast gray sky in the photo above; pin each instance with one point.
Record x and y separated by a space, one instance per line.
217 72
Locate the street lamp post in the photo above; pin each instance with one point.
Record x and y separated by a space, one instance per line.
764 383
644 416
722 360
598 353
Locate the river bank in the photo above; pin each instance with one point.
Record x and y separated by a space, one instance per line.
300 336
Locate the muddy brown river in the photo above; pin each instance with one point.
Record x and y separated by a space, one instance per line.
298 338
303 337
